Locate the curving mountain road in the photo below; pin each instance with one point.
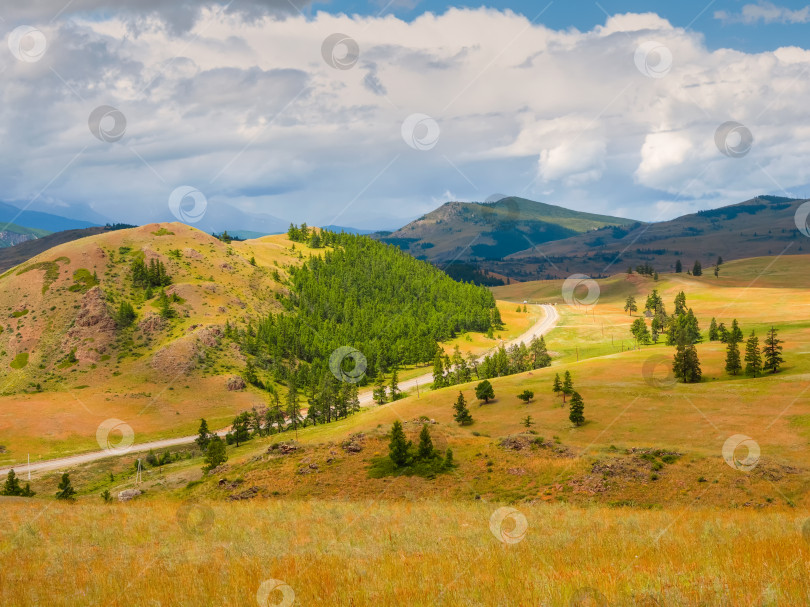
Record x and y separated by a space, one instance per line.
539 328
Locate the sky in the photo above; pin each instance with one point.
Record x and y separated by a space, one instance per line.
252 114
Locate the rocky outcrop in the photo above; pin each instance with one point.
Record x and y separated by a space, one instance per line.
93 330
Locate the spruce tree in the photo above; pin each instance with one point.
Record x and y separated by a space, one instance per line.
733 361
736 333
379 394
204 435
214 454
66 490
438 372
723 333
425 449
12 484
484 391
399 445
697 270
527 422
462 415
714 334
394 386
753 357
630 304
772 352
577 407
557 386
678 267
680 303
568 385
686 365
448 459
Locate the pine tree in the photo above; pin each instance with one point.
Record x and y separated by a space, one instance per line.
12 484
425 449
105 495
630 305
753 357
772 352
204 435
497 322
215 454
448 459
438 372
240 428
526 396
293 405
557 386
462 415
66 490
733 361
394 386
686 365
640 331
484 391
736 333
678 267
714 334
527 422
680 304
722 332
125 315
399 446
577 406
379 394
568 385
697 270
540 356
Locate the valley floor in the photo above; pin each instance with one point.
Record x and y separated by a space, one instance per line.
395 553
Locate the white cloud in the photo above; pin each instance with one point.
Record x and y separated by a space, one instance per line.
249 112
766 12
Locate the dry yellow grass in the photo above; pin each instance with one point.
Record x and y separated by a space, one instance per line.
380 554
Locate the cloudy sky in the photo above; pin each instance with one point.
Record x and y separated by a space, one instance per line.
371 113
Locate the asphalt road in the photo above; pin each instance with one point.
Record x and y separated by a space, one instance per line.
539 328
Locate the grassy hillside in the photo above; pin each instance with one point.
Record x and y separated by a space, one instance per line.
762 226
462 231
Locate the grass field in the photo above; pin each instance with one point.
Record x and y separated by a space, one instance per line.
381 553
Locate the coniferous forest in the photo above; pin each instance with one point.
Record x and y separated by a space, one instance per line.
369 296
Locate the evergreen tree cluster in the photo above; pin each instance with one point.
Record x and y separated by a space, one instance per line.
152 275
12 486
386 304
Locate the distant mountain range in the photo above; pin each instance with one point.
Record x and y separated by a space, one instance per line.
39 220
526 240
11 234
464 231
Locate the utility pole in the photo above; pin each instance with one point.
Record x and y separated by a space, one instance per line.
29 466
417 389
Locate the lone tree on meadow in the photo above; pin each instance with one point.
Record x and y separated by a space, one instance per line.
462 415
527 422
484 391
577 406
399 445
753 357
215 454
425 449
526 396
66 490
630 305
773 352
678 267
